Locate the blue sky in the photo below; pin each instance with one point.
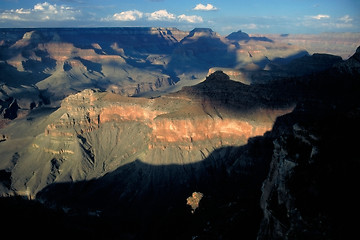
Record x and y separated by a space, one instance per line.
223 16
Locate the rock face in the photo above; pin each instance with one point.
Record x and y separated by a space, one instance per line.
309 191
138 156
93 133
305 194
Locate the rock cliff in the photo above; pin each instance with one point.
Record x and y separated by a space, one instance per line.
140 157
309 191
95 132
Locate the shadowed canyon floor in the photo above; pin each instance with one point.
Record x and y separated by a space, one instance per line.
273 159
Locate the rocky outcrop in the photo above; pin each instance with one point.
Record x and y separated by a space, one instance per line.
306 195
194 200
309 191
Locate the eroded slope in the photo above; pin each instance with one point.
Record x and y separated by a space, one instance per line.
93 133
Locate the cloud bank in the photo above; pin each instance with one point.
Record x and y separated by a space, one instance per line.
159 15
44 12
131 15
40 12
190 19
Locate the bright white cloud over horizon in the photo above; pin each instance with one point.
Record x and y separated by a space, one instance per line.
225 16
202 7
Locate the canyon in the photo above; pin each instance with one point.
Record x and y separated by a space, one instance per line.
95 132
111 132
43 66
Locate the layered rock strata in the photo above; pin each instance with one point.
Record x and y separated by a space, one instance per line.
95 132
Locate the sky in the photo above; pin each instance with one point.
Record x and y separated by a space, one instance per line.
223 16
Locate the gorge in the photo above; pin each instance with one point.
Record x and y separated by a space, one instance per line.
110 139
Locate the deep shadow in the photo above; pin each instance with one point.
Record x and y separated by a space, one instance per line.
299 65
318 140
290 58
153 198
14 78
134 40
199 54
21 218
90 66
39 67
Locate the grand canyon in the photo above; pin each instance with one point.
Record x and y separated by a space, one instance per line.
109 132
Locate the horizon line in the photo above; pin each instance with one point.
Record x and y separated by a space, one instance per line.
119 27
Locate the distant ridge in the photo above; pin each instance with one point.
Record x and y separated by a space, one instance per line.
41 66
242 36
340 44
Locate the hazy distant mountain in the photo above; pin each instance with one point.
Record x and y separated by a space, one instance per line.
339 44
242 36
238 36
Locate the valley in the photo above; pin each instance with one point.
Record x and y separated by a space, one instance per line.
117 127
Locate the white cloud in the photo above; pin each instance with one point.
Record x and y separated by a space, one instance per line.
202 7
320 16
10 16
23 11
346 19
161 15
327 23
131 15
40 6
40 12
190 19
